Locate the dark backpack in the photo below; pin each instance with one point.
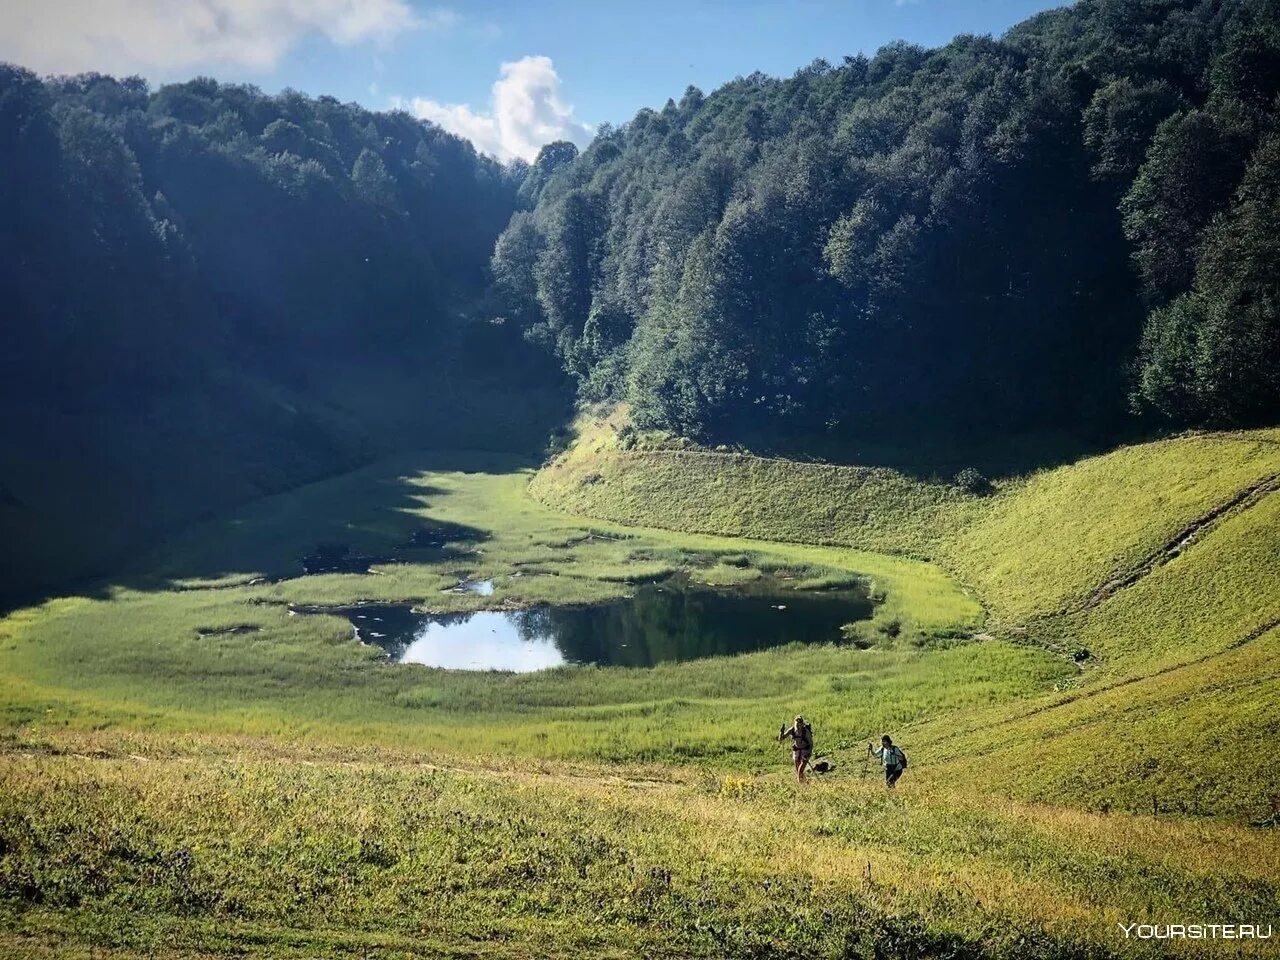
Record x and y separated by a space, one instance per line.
808 736
902 755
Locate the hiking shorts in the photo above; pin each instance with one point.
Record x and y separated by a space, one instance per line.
800 754
891 775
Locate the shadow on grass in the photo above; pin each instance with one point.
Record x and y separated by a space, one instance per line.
942 455
88 483
341 524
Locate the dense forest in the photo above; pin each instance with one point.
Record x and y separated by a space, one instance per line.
201 214
210 294
1060 228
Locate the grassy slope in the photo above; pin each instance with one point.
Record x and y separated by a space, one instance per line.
1052 540
1036 552
1185 689
126 730
740 495
368 853
304 676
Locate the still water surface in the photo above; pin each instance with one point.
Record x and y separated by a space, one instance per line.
674 620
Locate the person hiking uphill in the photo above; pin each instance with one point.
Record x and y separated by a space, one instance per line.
894 760
801 735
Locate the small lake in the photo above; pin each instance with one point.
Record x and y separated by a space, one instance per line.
674 620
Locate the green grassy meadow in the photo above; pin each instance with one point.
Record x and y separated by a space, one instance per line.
1080 756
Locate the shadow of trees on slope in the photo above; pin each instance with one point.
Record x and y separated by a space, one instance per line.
373 514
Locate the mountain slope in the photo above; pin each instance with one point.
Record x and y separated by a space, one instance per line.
211 294
1151 567
980 238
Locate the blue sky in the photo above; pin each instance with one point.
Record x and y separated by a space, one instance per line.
570 65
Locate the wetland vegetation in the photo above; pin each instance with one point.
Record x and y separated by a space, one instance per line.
659 791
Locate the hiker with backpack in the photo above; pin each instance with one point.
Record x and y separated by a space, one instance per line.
894 760
801 735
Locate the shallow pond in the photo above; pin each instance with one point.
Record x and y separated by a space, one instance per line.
674 620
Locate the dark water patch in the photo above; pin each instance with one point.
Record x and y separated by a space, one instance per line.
434 534
228 630
338 558
447 554
672 621
591 536
527 565
439 541
10 499
638 579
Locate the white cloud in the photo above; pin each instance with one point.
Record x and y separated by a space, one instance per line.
160 37
526 112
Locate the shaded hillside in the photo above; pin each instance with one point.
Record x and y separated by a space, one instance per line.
210 294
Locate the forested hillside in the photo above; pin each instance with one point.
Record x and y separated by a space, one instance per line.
210 293
1060 228
330 627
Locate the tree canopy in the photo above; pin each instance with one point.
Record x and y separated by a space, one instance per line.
998 234
205 217
210 294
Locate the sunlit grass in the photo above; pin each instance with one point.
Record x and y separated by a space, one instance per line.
285 790
1065 532
146 648
236 844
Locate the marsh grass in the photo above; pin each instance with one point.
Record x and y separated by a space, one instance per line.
1165 702
187 767
245 844
148 650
